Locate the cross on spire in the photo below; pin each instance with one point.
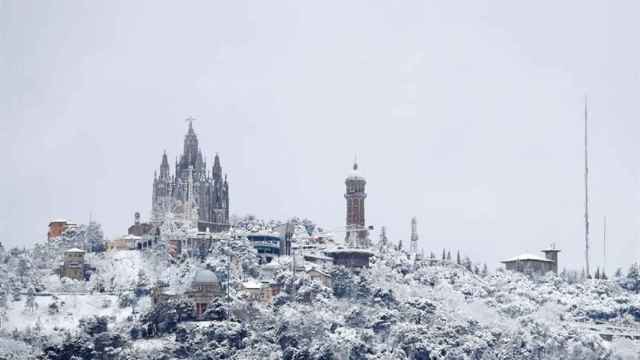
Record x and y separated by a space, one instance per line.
190 120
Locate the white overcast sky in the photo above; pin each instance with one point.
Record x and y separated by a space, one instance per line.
465 114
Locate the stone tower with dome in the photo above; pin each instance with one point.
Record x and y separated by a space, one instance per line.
356 231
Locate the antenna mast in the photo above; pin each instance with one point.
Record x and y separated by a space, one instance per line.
586 192
604 241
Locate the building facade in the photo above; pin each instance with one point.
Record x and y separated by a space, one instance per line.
73 266
204 288
356 232
57 227
192 193
534 264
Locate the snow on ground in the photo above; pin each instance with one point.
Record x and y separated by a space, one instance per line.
12 349
150 344
72 309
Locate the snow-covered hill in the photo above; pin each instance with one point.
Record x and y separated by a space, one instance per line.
396 309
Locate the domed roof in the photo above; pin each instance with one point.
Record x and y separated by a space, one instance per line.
355 174
205 276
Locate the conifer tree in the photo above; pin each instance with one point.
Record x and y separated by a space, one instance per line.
633 278
485 270
458 261
30 303
618 273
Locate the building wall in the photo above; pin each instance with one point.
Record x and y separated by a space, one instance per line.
73 267
530 266
55 229
201 294
351 260
320 277
355 212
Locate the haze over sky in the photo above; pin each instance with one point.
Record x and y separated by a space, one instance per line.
466 114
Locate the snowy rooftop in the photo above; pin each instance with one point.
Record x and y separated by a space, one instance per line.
528 257
205 276
313 269
317 256
74 250
354 174
274 265
262 233
58 220
348 251
251 285
131 237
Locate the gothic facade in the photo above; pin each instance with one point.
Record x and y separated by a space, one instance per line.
192 193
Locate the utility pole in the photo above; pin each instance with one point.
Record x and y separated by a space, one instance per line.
586 191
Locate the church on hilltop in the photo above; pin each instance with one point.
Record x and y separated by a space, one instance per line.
192 193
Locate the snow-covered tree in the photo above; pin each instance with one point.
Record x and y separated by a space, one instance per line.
618 273
4 302
632 280
94 237
467 263
485 270
30 302
4 318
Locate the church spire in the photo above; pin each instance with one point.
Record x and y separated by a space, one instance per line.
191 148
190 120
164 166
217 169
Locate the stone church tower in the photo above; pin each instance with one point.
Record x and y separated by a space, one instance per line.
357 234
192 193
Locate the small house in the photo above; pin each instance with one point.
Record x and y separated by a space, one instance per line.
534 264
319 276
260 291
